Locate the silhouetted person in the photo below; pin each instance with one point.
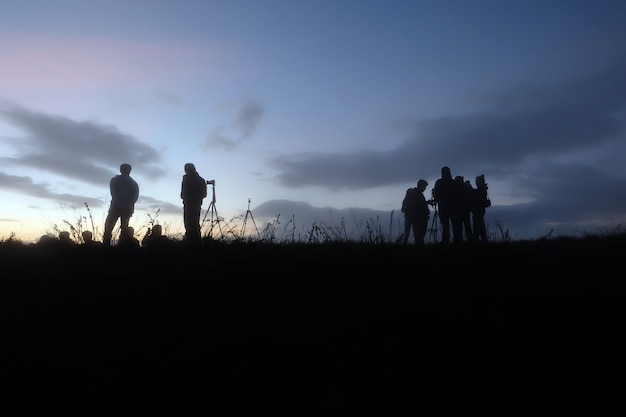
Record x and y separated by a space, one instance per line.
480 202
154 237
88 239
465 206
446 194
416 213
47 240
65 238
124 195
193 190
128 239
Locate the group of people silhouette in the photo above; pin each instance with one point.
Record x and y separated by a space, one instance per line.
459 206
124 195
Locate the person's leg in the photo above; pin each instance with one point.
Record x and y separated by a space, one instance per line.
187 221
191 218
197 235
124 220
109 224
420 235
475 226
467 225
457 229
445 228
480 227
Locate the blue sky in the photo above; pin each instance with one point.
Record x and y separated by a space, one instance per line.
316 111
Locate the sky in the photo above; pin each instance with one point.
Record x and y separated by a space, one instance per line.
313 112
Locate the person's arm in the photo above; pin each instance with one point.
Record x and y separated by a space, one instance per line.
403 209
136 196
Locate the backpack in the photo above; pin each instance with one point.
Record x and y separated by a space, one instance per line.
408 203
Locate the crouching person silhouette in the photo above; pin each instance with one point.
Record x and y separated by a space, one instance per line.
154 237
128 239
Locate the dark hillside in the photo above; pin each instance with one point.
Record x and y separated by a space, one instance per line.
504 329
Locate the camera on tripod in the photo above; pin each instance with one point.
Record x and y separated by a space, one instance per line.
431 202
210 182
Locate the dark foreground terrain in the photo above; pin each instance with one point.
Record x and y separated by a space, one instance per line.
526 328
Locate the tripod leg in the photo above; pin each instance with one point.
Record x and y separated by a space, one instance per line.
217 221
254 223
243 226
434 235
245 221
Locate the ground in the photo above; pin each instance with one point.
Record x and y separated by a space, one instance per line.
507 329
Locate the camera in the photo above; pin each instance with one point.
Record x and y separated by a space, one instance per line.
432 202
210 182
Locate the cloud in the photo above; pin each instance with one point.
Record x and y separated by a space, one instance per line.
162 207
522 126
558 147
247 119
293 219
81 150
25 185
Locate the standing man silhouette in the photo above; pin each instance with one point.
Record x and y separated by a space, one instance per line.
124 195
416 213
465 206
193 190
446 194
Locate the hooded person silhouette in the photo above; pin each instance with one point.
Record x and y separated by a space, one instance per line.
192 191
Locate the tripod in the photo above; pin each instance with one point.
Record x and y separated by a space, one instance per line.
433 234
245 220
215 219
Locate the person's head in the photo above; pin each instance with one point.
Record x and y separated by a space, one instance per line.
87 236
64 236
157 230
46 239
190 168
446 173
422 184
459 178
125 169
480 180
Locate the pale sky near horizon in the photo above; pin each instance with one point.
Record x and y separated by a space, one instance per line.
314 110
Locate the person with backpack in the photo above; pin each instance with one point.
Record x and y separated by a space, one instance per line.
465 206
416 213
124 195
447 194
193 190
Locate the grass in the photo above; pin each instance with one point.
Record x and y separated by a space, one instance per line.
241 228
307 322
